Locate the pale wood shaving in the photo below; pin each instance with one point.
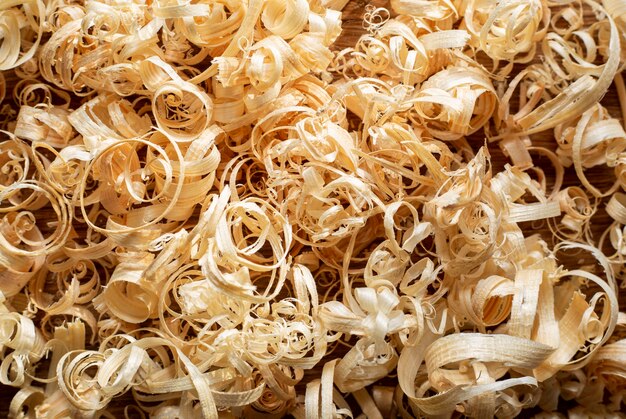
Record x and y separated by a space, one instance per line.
203 200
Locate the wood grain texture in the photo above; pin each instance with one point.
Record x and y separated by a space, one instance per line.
352 30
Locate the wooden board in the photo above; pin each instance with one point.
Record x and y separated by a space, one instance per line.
352 30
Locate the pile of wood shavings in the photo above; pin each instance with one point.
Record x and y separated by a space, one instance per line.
209 208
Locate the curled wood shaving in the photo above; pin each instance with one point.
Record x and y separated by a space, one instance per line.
209 209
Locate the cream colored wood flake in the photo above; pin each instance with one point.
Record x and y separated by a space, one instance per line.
207 209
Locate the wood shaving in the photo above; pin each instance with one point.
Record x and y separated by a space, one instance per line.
210 210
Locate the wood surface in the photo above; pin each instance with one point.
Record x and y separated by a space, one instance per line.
352 30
